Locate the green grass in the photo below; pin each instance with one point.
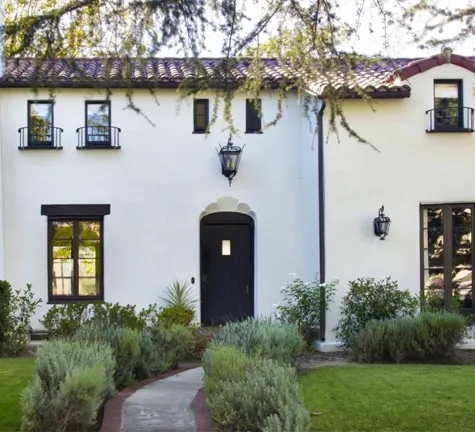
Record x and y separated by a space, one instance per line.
391 398
14 377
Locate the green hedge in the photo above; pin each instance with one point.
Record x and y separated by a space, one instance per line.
250 381
263 338
71 382
429 337
246 394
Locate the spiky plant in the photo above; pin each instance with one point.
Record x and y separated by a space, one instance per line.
179 293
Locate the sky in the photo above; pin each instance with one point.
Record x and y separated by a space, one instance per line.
397 44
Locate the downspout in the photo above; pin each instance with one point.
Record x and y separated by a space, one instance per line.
321 214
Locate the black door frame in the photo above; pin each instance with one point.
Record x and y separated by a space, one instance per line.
229 218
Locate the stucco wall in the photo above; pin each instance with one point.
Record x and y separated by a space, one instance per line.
411 167
158 184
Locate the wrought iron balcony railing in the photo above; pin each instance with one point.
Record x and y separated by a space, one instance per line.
40 138
98 137
450 119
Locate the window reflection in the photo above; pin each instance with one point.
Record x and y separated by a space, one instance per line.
76 258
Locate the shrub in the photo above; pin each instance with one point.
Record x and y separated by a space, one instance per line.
222 363
149 360
22 307
125 344
428 337
173 344
62 321
125 316
179 294
175 315
368 299
281 342
303 303
5 305
71 382
252 394
202 337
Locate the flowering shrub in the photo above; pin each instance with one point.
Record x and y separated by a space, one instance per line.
303 302
370 299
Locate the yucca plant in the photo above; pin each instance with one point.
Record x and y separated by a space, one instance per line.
179 293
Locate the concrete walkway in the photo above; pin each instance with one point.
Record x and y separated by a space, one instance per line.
163 406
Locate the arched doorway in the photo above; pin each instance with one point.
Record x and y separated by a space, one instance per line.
227 267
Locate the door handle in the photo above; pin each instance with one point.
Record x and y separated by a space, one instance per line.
247 289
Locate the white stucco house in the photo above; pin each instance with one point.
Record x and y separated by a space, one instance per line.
99 202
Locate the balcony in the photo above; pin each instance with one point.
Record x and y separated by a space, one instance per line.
450 120
98 138
40 139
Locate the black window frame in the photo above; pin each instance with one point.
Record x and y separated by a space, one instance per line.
75 214
92 143
35 143
460 116
253 120
448 268
196 128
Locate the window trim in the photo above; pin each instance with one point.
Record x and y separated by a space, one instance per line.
30 142
250 129
460 122
196 128
78 212
88 143
447 236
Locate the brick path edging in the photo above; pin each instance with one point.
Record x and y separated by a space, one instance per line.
200 411
112 419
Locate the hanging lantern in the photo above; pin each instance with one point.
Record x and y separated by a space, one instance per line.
381 224
229 157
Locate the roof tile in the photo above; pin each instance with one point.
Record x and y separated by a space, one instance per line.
386 75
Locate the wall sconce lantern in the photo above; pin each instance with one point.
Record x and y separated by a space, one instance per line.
230 156
381 224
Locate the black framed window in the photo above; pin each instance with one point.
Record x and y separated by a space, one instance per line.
40 123
75 252
447 250
448 104
253 115
98 123
200 115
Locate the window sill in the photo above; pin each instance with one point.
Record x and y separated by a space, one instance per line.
98 147
450 130
74 300
254 132
40 147
198 132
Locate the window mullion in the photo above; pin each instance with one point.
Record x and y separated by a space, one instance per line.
448 259
75 281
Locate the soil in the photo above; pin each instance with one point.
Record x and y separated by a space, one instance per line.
312 360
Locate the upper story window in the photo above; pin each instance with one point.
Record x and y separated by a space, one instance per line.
40 132
75 252
449 113
98 133
98 121
253 116
200 115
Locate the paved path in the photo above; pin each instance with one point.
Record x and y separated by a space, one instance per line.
163 406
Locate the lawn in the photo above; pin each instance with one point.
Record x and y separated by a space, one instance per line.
391 398
14 376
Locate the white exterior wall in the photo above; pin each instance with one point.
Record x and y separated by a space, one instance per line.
158 185
412 168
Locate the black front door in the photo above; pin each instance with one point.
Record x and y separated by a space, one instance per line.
227 268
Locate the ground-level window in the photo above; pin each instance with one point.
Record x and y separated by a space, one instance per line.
75 252
448 254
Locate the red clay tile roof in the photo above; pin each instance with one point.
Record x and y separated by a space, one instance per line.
385 76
